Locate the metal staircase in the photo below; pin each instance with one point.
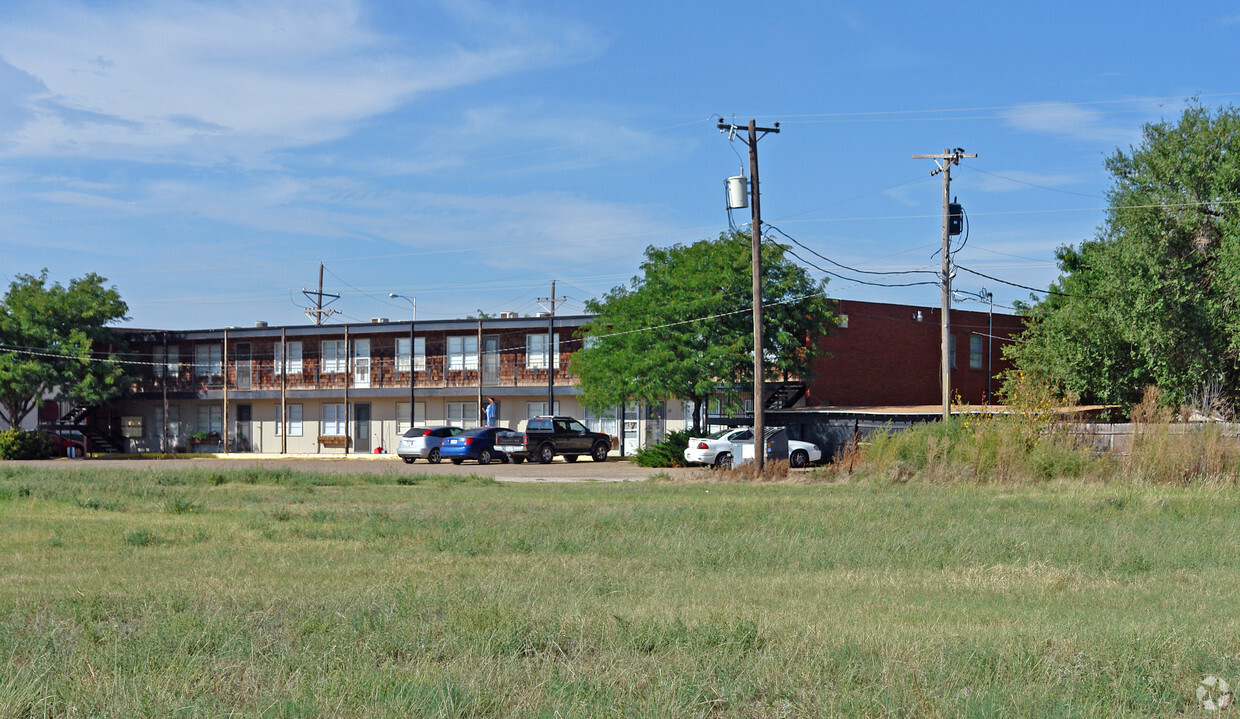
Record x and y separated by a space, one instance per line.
782 395
75 420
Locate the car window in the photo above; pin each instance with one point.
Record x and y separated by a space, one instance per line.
722 433
576 426
743 436
561 425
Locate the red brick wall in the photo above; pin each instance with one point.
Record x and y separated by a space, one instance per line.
887 357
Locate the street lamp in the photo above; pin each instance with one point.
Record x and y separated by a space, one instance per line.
413 406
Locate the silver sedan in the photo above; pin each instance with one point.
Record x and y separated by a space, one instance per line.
424 443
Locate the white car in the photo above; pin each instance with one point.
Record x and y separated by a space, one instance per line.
717 449
424 443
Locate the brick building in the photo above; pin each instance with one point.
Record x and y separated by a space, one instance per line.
888 355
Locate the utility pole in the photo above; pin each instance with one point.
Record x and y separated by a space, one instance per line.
755 234
551 303
318 311
943 164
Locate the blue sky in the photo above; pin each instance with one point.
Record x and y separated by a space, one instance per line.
205 157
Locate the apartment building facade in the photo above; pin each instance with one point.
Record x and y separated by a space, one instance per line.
352 388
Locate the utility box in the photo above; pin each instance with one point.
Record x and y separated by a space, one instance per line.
955 218
776 447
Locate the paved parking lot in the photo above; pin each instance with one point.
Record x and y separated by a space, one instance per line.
613 470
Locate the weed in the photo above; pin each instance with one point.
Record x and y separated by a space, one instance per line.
180 505
141 538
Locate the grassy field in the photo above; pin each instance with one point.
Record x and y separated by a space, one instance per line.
272 593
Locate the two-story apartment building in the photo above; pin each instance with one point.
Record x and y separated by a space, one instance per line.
350 388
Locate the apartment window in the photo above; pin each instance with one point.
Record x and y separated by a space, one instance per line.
402 354
463 353
402 416
538 409
293 362
536 351
334 359
209 360
174 422
210 418
975 352
951 350
419 354
605 422
294 420
131 427
165 361
462 414
335 419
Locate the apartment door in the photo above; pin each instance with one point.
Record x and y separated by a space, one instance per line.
361 428
243 429
490 359
244 366
361 363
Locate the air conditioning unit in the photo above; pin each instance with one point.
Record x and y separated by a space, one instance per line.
508 315
378 320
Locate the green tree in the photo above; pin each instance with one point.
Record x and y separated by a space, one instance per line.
49 335
1152 299
684 327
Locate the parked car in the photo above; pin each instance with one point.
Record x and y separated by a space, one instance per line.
546 436
67 444
477 444
424 443
717 449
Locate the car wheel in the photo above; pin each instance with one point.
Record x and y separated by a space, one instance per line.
484 457
433 457
546 453
723 461
799 458
570 458
457 460
599 453
408 460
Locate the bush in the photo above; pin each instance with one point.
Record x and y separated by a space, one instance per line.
16 444
668 453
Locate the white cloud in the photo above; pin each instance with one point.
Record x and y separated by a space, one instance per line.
203 80
1075 121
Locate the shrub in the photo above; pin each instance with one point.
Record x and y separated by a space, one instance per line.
668 453
17 444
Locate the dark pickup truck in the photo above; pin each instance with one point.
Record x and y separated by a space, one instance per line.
545 437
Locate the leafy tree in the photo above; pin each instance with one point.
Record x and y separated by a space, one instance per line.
1152 299
685 326
48 337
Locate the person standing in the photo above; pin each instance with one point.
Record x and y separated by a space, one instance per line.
490 410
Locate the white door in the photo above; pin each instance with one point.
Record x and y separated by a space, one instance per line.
361 363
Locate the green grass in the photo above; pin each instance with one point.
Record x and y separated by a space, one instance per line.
169 593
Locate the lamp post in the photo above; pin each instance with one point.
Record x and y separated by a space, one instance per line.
413 407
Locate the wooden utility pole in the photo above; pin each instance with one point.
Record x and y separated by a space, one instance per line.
943 164
318 311
283 391
755 234
551 303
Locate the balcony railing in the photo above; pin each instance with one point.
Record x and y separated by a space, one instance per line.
377 372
